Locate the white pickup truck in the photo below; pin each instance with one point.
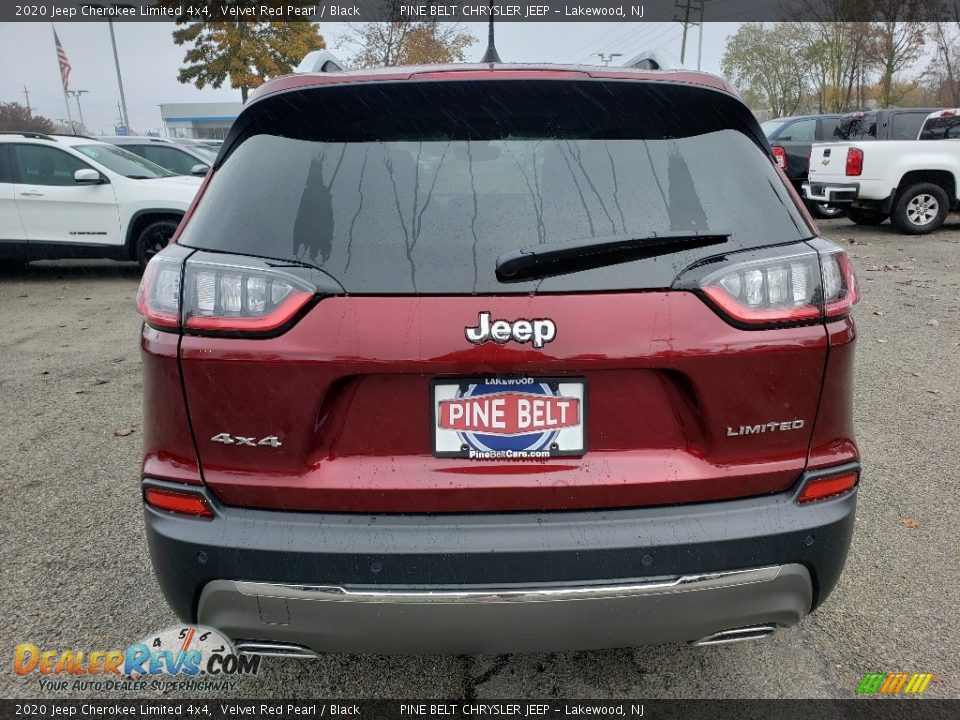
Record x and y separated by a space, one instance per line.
913 182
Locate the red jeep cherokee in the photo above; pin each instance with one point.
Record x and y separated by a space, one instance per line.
494 359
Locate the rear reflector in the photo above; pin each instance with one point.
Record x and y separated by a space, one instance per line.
830 486
182 503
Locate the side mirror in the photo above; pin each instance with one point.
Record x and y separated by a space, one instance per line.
199 170
88 176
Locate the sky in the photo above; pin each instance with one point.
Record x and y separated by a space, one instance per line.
149 60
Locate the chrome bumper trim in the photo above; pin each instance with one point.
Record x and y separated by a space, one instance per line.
684 583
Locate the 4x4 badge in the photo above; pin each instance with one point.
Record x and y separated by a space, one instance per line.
539 331
228 439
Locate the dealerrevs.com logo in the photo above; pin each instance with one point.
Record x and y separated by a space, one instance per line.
184 657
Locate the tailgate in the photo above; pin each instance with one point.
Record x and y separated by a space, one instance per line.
680 406
828 162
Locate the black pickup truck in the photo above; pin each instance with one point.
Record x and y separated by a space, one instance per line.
791 139
888 124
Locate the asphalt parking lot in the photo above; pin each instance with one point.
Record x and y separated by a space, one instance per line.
76 574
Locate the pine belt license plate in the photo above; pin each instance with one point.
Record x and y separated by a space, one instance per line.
509 418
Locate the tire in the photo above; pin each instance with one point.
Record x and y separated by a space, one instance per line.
152 239
920 209
822 211
866 217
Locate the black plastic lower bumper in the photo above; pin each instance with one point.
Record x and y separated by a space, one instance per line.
496 550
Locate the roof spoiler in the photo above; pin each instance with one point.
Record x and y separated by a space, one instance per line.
652 60
319 61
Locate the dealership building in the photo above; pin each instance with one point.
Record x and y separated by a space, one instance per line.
208 121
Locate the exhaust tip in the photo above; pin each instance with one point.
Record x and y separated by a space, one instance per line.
274 649
724 637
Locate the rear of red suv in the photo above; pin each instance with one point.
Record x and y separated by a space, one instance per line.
497 359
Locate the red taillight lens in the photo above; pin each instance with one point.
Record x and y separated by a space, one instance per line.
948 113
238 298
830 486
854 161
802 286
780 155
158 298
840 291
232 295
182 503
769 291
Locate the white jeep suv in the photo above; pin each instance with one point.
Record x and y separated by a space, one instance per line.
74 197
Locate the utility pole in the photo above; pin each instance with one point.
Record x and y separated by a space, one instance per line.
683 16
606 58
116 57
700 36
77 94
27 95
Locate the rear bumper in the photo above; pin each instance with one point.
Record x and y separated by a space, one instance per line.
501 582
831 193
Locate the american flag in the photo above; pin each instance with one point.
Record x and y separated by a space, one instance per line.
64 63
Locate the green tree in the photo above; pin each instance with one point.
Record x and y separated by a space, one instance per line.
248 53
14 116
760 64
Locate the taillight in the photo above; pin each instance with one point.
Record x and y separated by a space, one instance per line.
248 298
762 292
158 298
212 294
174 501
780 155
827 486
854 161
779 287
840 291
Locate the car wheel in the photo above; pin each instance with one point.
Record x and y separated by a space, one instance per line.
920 209
154 238
866 217
822 211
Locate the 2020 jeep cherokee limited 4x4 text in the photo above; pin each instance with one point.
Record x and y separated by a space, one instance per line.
493 359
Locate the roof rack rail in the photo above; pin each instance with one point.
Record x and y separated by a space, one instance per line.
319 61
29 134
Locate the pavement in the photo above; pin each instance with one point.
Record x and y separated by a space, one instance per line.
75 572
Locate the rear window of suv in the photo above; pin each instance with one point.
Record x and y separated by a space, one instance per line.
857 127
386 198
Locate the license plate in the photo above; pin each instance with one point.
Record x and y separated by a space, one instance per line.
509 418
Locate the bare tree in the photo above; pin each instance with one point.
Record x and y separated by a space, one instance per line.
896 42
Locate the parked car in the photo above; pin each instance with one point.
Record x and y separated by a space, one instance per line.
885 124
202 142
497 358
791 139
913 182
76 197
177 158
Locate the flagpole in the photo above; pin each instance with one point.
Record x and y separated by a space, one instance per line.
66 97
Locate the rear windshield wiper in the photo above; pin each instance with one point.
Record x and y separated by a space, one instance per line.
559 258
